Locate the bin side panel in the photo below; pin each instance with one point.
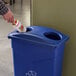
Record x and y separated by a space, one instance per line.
58 60
32 56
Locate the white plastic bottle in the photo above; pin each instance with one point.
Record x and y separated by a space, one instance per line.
17 25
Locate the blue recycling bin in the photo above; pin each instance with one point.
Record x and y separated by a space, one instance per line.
38 51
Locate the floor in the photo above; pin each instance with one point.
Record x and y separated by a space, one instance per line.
22 12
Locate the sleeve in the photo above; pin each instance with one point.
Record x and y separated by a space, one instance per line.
3 8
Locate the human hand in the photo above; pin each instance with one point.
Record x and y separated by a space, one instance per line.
9 16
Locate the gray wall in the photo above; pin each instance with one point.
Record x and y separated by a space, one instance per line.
61 15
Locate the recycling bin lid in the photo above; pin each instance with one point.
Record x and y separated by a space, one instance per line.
40 34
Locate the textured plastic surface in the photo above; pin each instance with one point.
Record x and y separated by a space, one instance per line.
38 52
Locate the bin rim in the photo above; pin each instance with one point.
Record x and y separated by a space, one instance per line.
41 37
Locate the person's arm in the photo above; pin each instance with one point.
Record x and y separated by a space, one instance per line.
3 8
6 12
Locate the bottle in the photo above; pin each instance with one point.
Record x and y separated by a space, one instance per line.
17 25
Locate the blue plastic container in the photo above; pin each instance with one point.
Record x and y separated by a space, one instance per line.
38 52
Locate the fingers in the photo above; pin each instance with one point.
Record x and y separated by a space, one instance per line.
6 18
11 19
